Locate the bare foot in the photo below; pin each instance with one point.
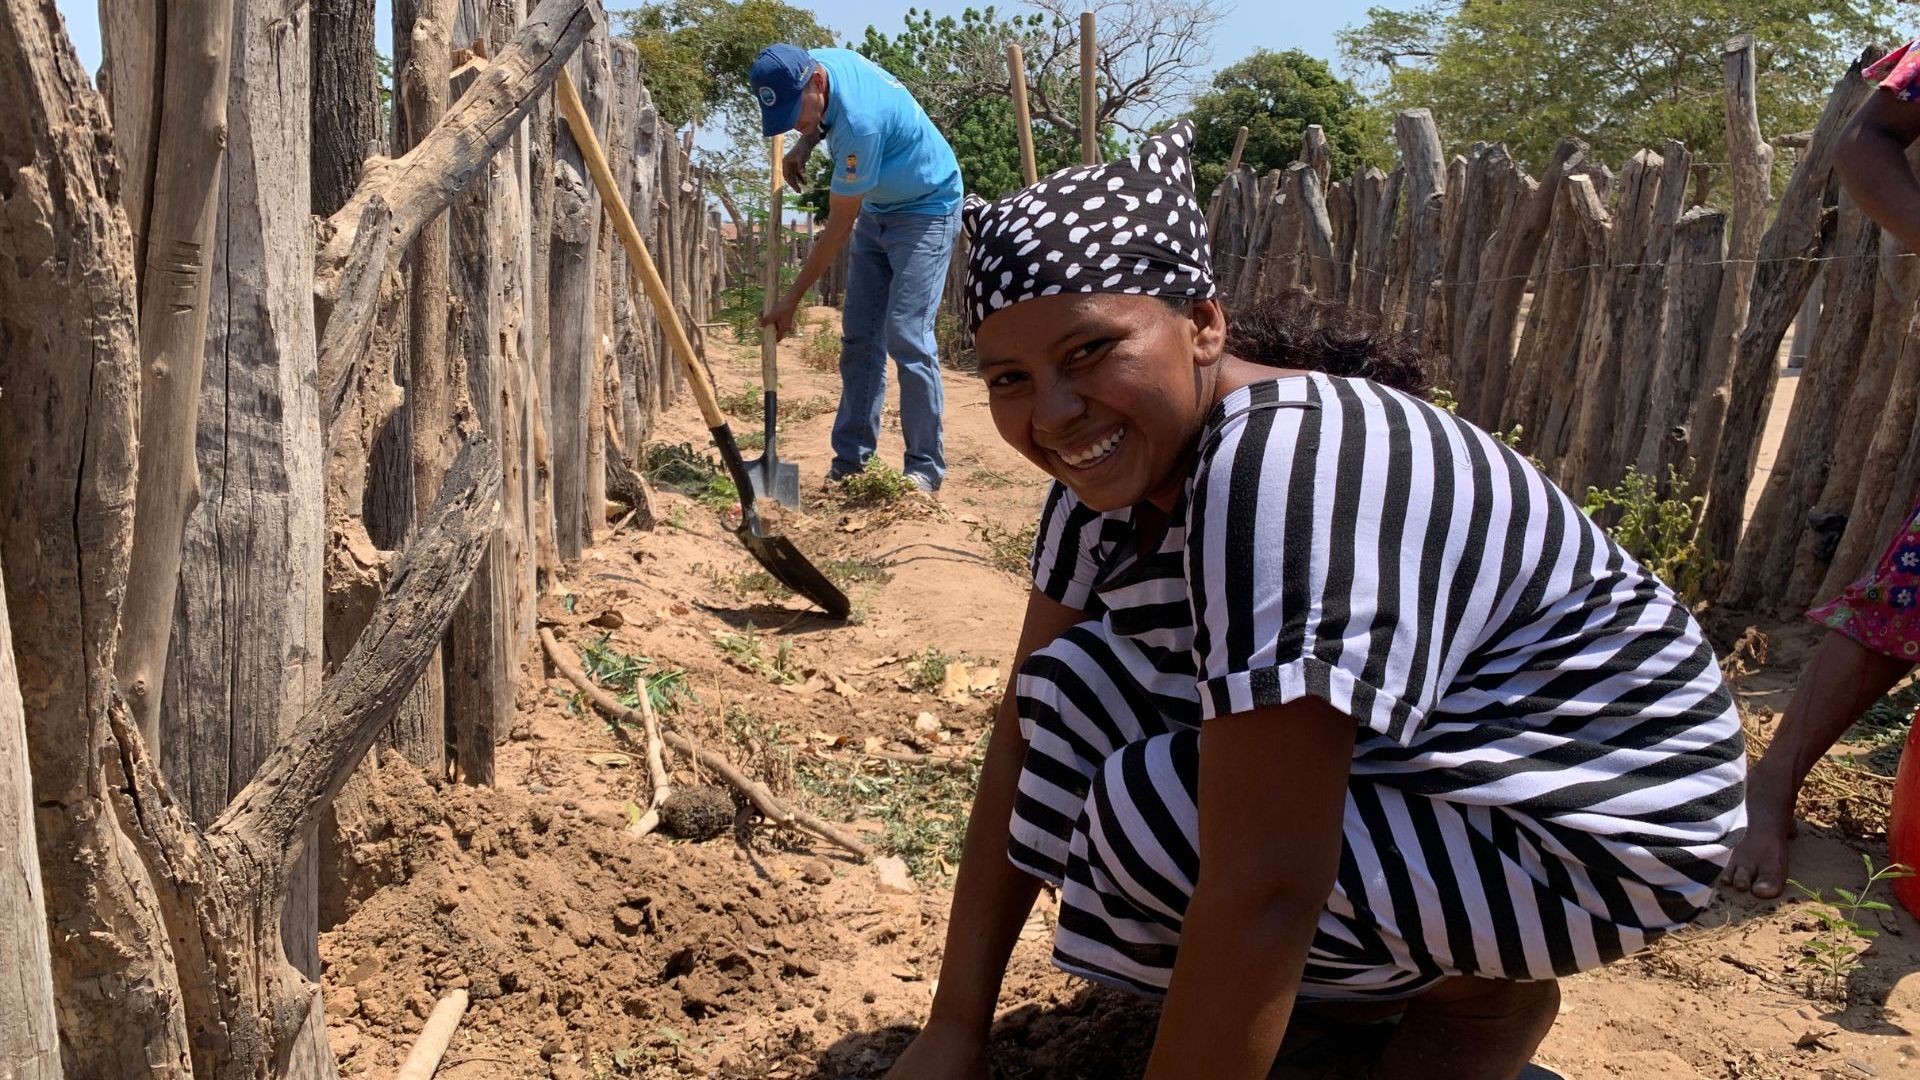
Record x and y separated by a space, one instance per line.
1759 862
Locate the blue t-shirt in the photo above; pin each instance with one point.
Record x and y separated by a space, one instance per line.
883 145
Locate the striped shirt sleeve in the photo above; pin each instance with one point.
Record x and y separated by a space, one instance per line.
1066 549
1309 558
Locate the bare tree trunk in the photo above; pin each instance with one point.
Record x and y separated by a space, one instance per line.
1751 162
480 648
29 1038
1692 289
575 337
1496 305
173 328
166 928
70 411
346 98
247 653
1785 270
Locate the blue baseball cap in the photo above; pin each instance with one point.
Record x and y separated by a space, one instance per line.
779 75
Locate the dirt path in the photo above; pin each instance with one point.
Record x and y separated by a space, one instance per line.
590 953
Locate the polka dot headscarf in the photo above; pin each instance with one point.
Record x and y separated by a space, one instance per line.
1129 226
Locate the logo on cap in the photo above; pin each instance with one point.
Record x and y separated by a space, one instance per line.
767 96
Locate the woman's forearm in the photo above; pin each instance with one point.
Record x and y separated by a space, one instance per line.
1234 984
992 897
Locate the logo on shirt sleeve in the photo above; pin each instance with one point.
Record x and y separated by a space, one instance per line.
853 165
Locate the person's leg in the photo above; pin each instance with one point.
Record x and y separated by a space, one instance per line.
863 350
1470 1029
920 251
1844 678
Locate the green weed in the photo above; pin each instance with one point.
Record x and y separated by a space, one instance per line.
1445 399
747 651
928 668
1008 549
822 349
1660 530
765 747
1836 947
879 484
624 675
923 808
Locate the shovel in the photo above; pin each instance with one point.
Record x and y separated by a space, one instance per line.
772 478
776 553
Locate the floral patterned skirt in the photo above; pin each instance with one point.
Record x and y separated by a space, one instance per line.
1882 610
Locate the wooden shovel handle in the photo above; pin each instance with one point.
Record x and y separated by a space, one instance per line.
769 343
656 289
1022 115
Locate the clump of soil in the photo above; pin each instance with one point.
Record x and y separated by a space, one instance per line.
697 813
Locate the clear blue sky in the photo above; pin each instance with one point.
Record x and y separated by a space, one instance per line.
1252 24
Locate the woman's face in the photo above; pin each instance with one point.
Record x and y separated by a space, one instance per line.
1106 392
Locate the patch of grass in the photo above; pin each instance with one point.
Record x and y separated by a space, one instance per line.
992 478
747 651
742 404
626 675
847 572
750 440
800 410
954 343
1444 398
1659 529
748 405
677 517
923 809
1007 549
879 484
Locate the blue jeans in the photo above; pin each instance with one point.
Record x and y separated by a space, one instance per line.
896 273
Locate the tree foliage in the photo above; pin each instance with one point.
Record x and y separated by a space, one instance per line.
1622 75
696 53
1276 96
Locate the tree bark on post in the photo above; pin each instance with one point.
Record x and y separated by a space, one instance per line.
29 1037
247 654
174 283
1692 291
1750 160
1764 563
1785 270
167 928
1496 305
1601 409
575 349
346 102
1426 168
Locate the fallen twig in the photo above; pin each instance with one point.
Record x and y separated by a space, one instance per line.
425 1058
941 761
756 792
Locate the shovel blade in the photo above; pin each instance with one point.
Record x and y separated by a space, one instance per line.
774 479
790 568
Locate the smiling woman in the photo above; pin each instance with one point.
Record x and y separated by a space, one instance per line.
1327 698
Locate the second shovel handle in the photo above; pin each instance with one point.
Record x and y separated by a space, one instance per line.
769 339
656 289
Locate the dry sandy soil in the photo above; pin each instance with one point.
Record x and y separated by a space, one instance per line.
592 953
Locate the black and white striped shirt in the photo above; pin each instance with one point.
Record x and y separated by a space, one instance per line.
1504 660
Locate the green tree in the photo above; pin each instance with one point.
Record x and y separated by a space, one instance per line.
1275 96
696 53
1622 75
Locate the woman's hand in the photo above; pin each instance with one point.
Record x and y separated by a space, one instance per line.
943 1052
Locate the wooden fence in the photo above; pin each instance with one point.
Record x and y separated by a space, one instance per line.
1618 327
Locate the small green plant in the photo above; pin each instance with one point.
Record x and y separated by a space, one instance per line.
879 484
743 404
626 675
928 668
1660 530
750 440
1008 549
954 343
1445 399
764 744
677 517
822 349
992 478
848 572
1840 941
747 651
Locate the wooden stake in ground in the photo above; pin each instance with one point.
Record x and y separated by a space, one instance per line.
1089 100
424 1060
1022 116
1233 166
762 799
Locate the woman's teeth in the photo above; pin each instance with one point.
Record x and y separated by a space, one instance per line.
1096 453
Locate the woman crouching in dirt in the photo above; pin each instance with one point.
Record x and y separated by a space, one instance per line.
1325 696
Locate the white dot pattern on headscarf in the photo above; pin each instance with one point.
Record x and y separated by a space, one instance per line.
1132 226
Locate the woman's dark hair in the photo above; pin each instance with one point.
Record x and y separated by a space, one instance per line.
1294 328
